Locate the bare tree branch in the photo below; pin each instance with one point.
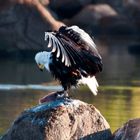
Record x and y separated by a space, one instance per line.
55 24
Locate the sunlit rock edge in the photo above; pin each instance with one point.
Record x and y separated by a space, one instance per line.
60 119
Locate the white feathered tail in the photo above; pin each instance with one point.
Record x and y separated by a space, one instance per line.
91 82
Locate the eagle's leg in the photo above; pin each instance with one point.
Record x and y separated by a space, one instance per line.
59 95
62 94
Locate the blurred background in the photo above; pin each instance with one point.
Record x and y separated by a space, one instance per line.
115 26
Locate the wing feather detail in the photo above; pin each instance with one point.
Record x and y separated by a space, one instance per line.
63 53
54 47
72 52
82 48
57 47
84 38
82 56
50 43
58 50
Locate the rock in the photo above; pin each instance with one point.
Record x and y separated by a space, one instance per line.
129 131
23 28
116 4
92 14
3 4
132 3
60 120
68 8
102 19
132 8
6 3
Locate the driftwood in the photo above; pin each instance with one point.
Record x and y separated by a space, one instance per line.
60 120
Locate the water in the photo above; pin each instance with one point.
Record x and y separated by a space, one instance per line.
119 92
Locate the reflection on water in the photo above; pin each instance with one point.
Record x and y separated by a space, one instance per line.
117 104
13 103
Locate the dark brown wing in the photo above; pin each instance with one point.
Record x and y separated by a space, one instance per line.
55 46
78 40
80 37
81 58
75 48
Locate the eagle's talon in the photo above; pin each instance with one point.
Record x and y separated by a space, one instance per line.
62 95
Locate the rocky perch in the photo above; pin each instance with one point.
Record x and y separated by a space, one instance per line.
129 131
60 120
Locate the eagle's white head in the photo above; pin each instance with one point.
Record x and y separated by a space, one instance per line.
43 60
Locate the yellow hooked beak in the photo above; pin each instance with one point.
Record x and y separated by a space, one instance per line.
41 66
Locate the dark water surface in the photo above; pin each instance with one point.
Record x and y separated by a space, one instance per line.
119 92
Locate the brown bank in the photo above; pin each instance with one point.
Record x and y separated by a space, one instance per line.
60 120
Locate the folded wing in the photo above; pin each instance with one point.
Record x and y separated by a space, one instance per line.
74 47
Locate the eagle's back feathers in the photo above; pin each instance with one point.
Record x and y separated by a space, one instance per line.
74 56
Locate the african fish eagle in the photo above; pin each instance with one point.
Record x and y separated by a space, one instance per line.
72 58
